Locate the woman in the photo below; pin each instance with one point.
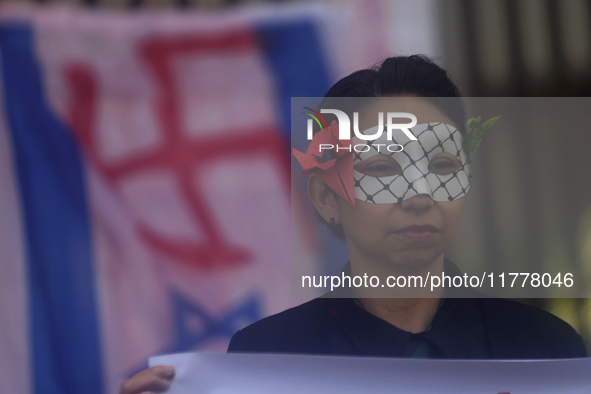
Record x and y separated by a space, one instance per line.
404 229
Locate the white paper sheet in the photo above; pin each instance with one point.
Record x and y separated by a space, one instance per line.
198 373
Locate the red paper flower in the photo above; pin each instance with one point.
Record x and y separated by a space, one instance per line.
334 166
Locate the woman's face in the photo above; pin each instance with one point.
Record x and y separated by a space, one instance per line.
410 233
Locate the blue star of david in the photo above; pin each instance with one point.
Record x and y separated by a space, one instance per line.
188 336
195 326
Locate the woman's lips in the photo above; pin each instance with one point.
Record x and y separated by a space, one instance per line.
418 233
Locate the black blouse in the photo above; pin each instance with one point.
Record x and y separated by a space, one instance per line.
463 328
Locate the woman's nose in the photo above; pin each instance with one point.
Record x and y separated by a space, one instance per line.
419 203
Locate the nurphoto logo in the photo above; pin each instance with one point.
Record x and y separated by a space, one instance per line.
371 134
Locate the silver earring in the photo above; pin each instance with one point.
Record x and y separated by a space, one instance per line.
332 221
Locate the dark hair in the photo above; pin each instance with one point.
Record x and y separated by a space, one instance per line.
401 75
415 75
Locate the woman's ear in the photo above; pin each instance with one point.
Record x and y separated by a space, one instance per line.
323 198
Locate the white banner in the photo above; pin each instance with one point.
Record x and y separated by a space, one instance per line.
265 373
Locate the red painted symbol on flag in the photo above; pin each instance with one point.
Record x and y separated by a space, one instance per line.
177 152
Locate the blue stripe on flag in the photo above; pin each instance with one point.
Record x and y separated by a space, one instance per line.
63 317
292 52
294 55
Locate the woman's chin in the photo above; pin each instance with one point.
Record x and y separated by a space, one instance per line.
415 260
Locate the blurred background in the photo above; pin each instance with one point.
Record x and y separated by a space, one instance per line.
145 174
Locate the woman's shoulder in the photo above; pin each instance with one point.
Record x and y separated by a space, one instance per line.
514 331
515 314
517 330
301 329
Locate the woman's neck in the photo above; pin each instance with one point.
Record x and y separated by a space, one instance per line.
409 314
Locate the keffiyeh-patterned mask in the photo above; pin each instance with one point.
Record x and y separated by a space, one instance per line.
420 167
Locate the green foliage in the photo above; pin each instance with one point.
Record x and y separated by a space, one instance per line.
473 138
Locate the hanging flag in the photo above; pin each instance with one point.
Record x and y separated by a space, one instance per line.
145 201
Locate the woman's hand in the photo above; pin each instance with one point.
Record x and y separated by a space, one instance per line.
156 379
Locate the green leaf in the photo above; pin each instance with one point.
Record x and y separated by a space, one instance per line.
489 123
474 134
472 124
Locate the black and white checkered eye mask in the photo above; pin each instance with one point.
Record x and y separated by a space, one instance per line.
414 159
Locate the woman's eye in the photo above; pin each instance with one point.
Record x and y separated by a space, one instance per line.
444 166
379 168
